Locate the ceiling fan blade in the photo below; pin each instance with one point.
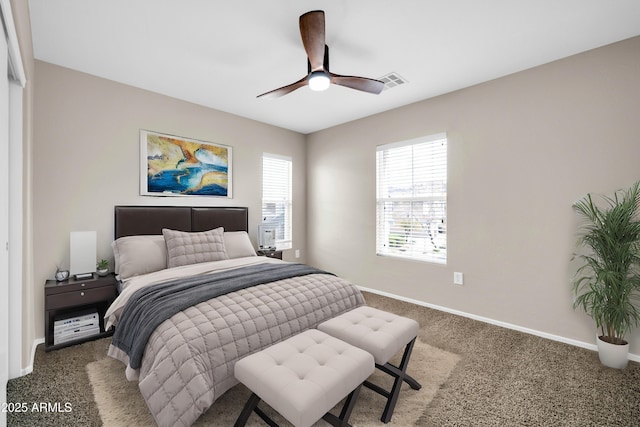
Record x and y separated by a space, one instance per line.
312 33
277 93
359 83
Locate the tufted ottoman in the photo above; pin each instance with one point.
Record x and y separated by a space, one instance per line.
304 377
383 335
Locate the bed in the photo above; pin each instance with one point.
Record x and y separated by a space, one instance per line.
195 298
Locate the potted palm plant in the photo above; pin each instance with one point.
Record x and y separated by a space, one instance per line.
607 284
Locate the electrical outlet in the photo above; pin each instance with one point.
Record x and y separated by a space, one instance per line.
297 253
458 278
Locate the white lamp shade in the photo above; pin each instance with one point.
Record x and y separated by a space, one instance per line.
83 252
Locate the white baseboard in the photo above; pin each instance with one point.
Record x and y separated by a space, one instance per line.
29 369
589 346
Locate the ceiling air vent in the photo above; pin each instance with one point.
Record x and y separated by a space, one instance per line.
392 80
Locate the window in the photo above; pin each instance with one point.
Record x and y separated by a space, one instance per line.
412 199
276 197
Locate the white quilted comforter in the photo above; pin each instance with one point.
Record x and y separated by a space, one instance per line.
189 359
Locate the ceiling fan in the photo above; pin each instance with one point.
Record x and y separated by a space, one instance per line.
319 77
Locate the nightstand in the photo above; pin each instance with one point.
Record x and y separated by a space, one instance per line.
64 299
271 253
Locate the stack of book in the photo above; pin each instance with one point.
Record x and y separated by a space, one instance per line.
77 326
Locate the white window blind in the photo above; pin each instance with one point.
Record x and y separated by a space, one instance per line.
276 196
412 199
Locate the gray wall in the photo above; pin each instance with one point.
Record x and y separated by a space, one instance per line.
86 160
522 150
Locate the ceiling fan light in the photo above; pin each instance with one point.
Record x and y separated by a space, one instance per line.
319 81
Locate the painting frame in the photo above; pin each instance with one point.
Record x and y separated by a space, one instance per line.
177 166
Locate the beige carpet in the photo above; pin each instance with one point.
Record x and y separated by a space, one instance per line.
503 378
120 403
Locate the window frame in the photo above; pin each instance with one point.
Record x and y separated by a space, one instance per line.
394 237
284 232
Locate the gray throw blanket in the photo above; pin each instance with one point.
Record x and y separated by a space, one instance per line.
149 307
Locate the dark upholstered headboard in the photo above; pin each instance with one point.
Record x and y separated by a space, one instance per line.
140 220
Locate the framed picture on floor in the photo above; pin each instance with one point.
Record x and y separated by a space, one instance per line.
178 166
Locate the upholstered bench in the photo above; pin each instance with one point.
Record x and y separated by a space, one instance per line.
383 335
303 377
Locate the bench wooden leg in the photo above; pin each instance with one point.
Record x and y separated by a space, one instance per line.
248 409
400 375
341 421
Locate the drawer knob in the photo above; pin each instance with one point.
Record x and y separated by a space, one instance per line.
82 285
81 294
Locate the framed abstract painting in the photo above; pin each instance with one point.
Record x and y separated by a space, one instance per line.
177 166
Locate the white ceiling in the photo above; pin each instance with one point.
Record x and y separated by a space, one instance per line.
221 54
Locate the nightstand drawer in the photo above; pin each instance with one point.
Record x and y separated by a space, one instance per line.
80 297
81 285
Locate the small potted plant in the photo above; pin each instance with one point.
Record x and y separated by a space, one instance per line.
607 284
102 267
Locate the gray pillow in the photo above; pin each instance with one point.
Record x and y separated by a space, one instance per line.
192 248
135 255
237 244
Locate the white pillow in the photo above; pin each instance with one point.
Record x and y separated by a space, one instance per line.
238 244
136 255
192 248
